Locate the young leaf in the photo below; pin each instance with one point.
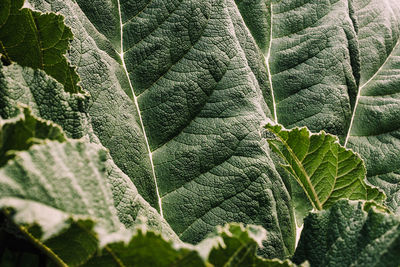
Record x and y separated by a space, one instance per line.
345 235
324 169
36 40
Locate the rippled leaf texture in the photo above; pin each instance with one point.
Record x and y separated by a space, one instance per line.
22 132
36 40
54 181
334 66
375 132
197 85
72 176
325 170
77 179
68 240
345 235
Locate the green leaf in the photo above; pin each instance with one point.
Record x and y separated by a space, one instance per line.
78 178
70 240
23 131
324 169
177 97
36 40
345 235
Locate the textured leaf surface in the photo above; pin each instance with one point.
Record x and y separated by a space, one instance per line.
324 169
312 58
73 241
234 245
111 113
36 40
199 91
375 131
334 66
45 97
77 178
345 235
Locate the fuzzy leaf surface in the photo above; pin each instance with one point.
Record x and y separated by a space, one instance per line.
188 85
346 235
22 132
334 66
71 240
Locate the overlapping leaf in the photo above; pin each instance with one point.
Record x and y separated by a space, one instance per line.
67 200
36 40
67 240
45 97
23 131
375 131
179 89
72 176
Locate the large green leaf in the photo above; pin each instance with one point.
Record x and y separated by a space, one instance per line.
375 131
325 170
334 66
311 53
36 40
179 91
346 235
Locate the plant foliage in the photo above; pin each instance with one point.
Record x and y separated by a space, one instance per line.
131 130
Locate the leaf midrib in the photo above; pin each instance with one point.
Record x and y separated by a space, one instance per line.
121 54
317 203
267 58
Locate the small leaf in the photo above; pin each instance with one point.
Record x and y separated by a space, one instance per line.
324 169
